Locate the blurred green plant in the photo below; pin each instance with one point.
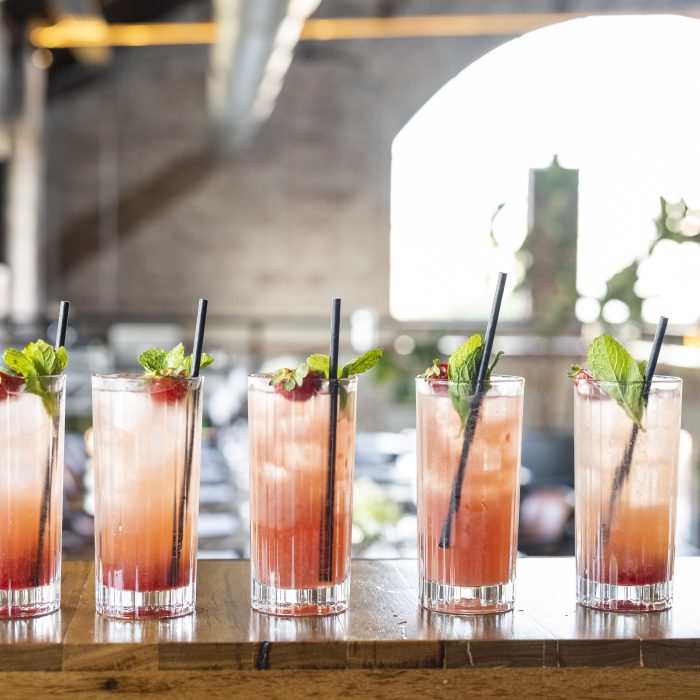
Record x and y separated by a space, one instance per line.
372 510
675 222
399 371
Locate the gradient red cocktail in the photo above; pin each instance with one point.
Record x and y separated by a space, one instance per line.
288 499
147 441
625 523
31 496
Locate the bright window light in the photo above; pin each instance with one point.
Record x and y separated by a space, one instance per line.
616 98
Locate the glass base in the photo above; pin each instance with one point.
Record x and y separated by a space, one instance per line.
466 600
298 602
30 602
140 605
605 596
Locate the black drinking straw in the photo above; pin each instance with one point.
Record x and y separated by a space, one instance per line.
623 468
327 518
62 325
46 493
199 337
475 407
178 530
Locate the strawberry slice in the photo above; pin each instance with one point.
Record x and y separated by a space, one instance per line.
168 389
10 385
587 386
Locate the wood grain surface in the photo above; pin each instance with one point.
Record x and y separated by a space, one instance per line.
545 642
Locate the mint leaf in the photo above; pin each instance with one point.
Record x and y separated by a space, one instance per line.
642 364
362 363
463 354
433 372
176 357
300 372
573 372
17 361
319 364
279 376
42 356
204 362
494 362
60 361
609 362
153 360
463 370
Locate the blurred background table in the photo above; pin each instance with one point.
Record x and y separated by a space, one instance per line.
384 645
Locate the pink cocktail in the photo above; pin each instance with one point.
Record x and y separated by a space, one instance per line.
300 521
467 561
626 507
147 436
31 495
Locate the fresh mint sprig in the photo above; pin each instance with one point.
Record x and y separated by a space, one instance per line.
163 363
38 359
463 369
623 377
320 364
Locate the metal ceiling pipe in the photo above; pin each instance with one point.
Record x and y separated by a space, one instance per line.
249 59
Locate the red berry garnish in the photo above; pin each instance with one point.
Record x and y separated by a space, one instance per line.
9 385
286 383
436 376
168 389
587 386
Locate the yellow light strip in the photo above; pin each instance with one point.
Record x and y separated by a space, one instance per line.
79 34
429 26
89 33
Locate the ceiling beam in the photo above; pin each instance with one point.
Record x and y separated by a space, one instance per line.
72 33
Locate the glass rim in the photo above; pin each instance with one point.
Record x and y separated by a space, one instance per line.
656 379
134 381
494 379
55 382
340 380
40 376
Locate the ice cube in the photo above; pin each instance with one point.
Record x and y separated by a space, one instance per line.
24 415
22 467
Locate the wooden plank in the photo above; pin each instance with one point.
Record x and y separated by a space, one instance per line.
35 644
604 683
384 629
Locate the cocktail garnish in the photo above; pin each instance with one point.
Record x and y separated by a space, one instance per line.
302 383
462 368
298 384
438 370
166 371
623 378
38 359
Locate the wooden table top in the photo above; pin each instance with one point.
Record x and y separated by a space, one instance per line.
384 628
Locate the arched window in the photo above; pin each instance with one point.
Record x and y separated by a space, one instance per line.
617 101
